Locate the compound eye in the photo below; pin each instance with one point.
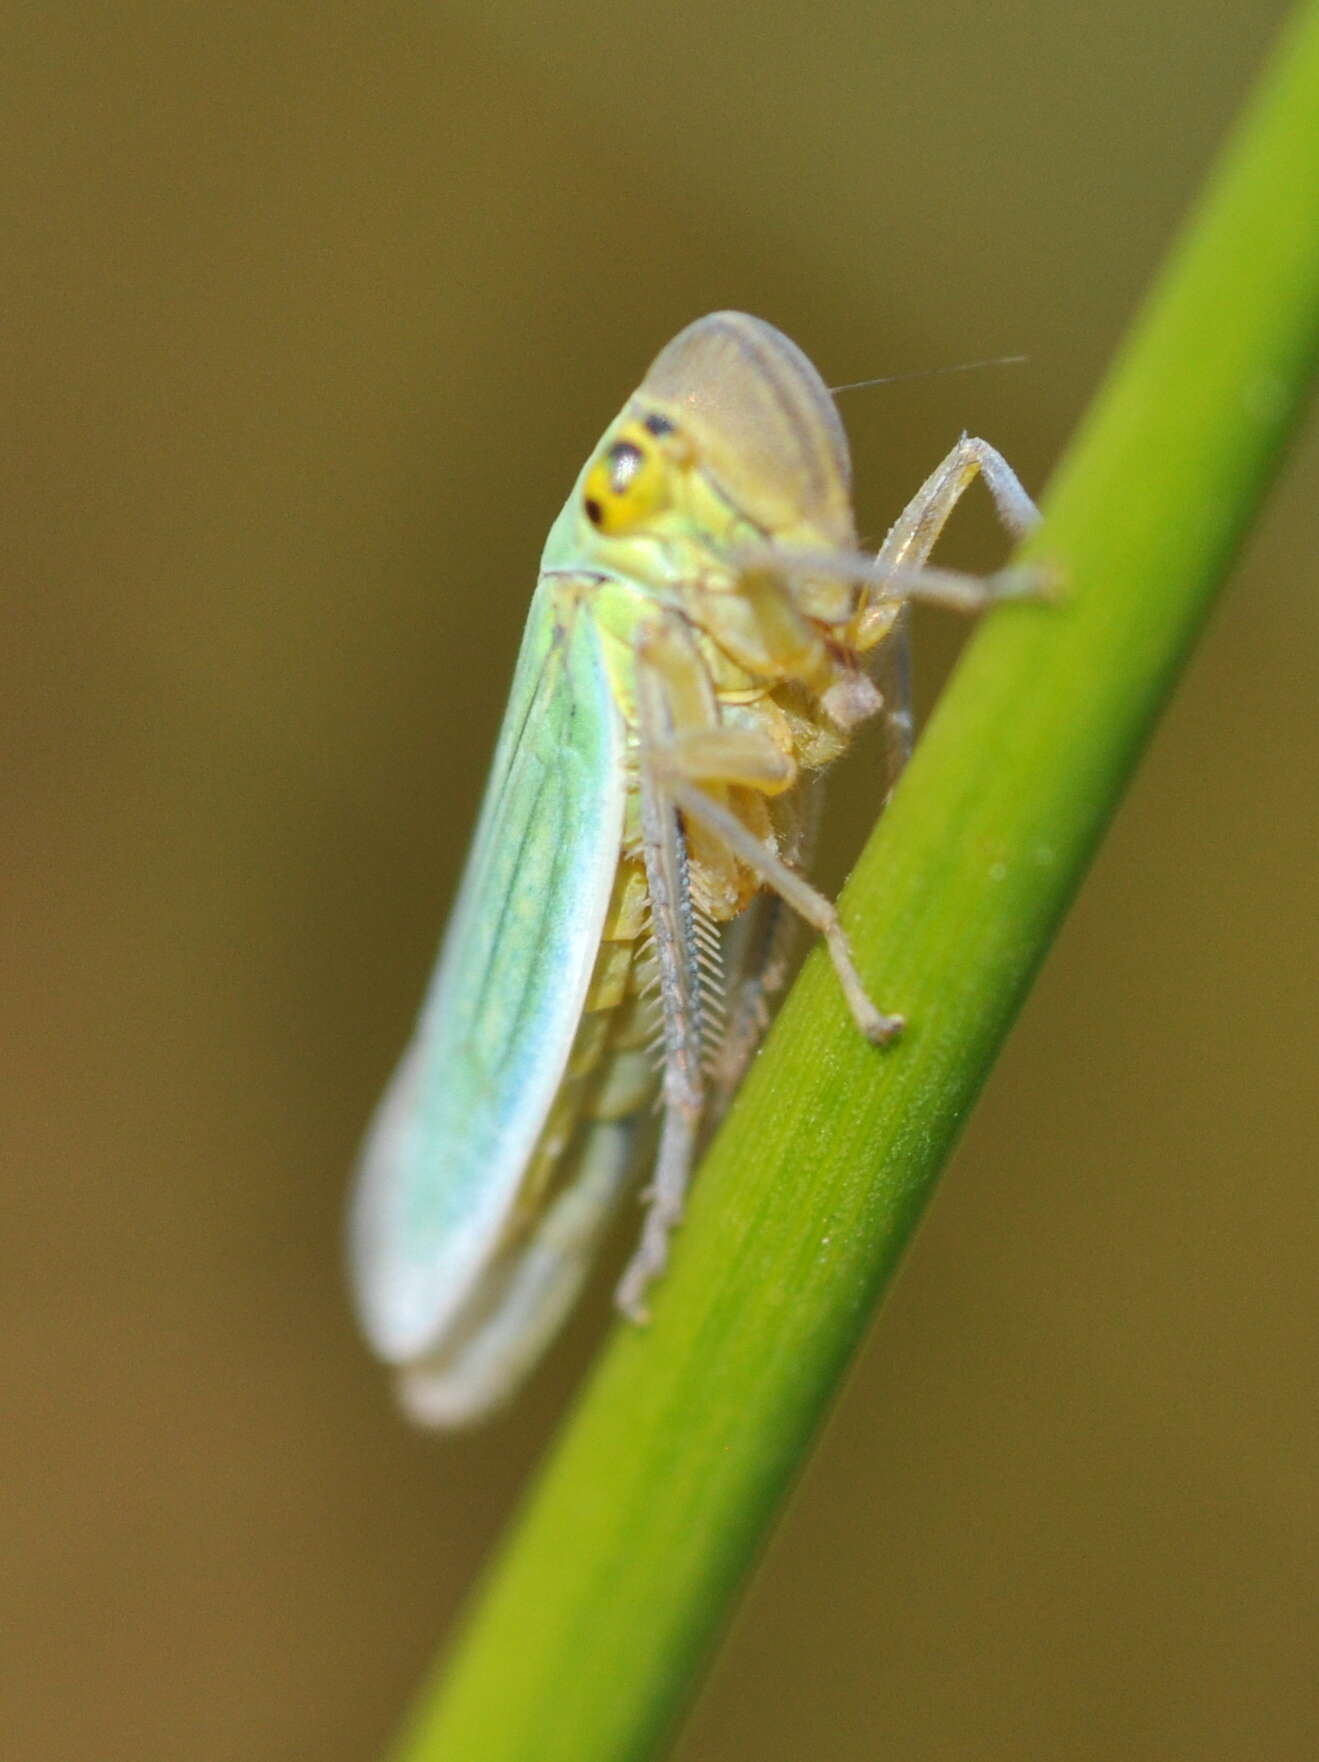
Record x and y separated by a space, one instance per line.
626 485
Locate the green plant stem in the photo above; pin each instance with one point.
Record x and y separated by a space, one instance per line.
591 1627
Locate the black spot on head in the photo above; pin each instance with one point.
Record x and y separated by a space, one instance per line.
657 424
594 512
625 460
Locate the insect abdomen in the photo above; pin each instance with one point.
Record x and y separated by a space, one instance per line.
611 1073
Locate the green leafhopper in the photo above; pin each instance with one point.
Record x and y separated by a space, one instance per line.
704 637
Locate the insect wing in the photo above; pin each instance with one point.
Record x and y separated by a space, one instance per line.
446 1154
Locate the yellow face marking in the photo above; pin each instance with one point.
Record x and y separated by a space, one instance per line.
632 479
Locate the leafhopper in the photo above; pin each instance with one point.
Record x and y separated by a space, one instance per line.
703 639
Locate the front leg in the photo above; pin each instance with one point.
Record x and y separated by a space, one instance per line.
916 531
910 541
905 553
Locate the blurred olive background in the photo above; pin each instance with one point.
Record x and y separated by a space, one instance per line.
313 314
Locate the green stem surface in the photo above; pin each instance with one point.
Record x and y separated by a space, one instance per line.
593 1624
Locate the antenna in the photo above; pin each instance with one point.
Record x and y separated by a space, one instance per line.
858 385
